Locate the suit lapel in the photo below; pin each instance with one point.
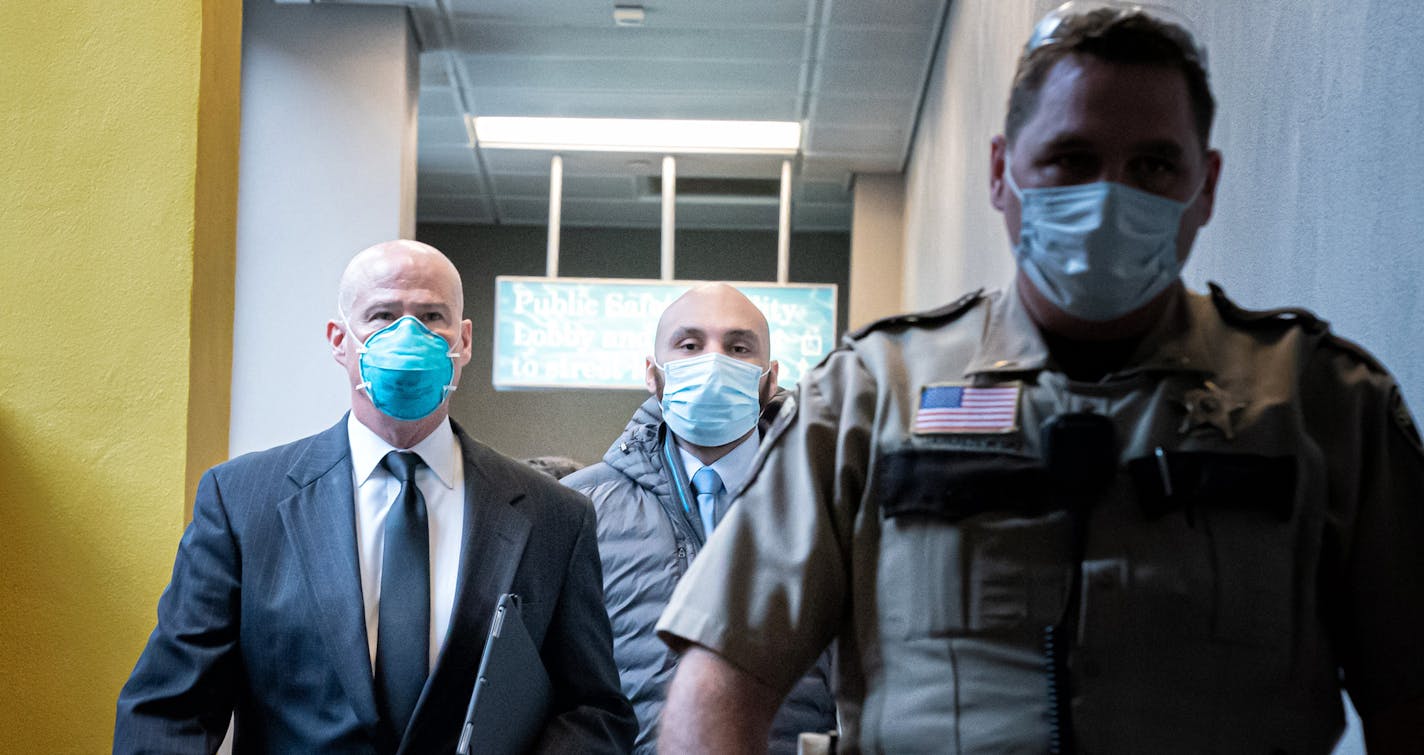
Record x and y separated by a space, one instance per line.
495 532
320 522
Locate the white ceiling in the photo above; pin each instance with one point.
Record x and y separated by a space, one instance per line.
851 71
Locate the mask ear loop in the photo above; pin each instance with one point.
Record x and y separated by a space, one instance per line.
364 385
1009 173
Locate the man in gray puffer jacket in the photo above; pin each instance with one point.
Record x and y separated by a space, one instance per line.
666 482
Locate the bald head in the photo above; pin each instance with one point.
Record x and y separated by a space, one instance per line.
381 285
713 317
397 262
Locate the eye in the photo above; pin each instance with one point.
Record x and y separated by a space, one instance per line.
380 316
1069 167
740 348
433 317
688 346
1156 174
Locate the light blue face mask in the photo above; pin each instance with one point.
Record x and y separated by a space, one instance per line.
1097 251
711 400
406 369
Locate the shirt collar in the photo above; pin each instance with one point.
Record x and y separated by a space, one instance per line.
439 450
1011 342
1178 343
734 468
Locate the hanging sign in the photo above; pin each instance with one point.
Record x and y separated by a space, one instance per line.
596 332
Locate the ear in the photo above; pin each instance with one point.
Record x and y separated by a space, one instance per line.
467 339
336 336
773 373
1206 201
998 149
650 375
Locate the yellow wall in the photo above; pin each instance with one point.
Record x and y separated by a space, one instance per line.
119 147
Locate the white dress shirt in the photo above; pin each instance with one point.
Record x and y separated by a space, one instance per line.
442 482
734 468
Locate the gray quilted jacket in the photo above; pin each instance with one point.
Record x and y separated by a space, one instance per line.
646 541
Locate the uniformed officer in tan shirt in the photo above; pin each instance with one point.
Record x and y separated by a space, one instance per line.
1094 513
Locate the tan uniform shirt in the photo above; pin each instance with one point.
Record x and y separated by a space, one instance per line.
1264 531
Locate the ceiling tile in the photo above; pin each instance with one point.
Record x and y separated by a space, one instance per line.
439 102
447 183
734 59
434 70
855 140
644 43
893 77
614 76
862 110
744 13
850 44
445 130
446 159
882 13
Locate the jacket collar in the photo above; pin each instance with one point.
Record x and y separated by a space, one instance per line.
320 523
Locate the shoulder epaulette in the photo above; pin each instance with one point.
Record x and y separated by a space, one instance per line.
940 315
1249 318
1256 318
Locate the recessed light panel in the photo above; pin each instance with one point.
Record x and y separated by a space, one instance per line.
639 135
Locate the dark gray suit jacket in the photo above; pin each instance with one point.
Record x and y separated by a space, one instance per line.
264 618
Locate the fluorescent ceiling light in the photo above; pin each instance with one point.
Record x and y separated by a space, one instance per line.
639 135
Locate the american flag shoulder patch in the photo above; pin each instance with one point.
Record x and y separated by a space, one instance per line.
957 408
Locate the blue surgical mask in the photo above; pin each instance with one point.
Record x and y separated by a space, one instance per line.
711 400
1097 251
406 369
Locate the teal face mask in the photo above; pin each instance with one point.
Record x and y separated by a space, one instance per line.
1097 251
406 369
711 400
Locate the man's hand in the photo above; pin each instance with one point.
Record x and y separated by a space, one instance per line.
715 707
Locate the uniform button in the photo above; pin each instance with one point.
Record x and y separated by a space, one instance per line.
682 553
1005 363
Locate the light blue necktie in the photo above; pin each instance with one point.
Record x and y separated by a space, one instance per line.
708 486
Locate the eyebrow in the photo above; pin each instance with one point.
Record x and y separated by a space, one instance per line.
750 335
696 332
384 304
686 332
1161 147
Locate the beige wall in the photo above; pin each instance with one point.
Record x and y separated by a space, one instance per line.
877 258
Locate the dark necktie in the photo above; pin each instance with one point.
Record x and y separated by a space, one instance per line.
403 631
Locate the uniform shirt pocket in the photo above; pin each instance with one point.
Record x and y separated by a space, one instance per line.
970 542
1244 504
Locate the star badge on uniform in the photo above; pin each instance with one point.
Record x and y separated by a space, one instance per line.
1210 406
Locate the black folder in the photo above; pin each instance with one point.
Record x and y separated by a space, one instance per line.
512 692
